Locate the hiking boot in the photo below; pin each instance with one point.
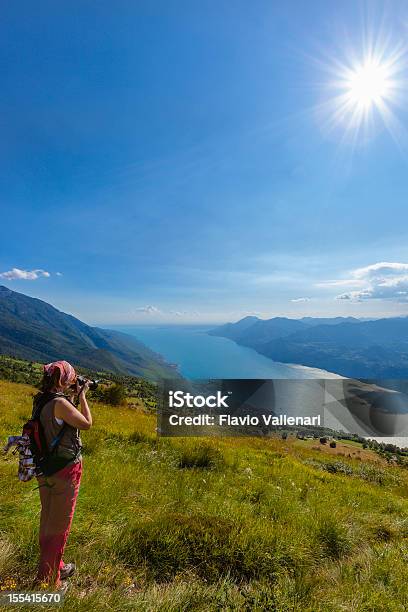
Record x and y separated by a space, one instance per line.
67 571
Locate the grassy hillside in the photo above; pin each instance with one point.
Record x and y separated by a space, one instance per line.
228 524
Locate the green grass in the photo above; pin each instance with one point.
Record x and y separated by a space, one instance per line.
217 524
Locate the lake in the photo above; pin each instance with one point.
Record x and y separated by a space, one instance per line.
199 355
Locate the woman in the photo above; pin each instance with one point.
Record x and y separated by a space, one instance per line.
60 419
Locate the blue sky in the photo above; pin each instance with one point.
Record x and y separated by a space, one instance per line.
173 161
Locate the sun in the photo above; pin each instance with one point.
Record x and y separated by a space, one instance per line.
369 84
366 91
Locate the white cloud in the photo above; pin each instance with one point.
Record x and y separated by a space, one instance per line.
58 273
381 269
356 296
379 281
301 299
154 311
149 310
345 296
183 313
17 274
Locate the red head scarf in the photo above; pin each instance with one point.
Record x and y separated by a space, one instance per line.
67 372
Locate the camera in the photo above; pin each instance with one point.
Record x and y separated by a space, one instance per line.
93 384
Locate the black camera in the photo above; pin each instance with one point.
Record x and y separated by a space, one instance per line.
93 384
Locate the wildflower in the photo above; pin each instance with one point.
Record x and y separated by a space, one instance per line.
8 584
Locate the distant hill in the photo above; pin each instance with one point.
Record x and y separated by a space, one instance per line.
251 330
234 330
34 330
329 320
347 346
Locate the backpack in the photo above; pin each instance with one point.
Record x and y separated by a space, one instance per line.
26 466
44 459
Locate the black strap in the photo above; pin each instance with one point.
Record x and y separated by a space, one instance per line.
42 400
55 442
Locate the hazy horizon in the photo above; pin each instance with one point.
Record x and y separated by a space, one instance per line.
204 323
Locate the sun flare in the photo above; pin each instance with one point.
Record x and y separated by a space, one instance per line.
369 84
366 91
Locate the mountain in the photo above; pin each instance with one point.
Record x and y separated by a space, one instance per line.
34 330
350 347
234 330
251 330
329 320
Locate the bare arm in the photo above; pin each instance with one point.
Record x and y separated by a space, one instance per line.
86 413
81 419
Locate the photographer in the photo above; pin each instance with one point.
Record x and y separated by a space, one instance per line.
61 421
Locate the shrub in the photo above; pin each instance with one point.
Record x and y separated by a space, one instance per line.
374 474
333 444
333 539
338 467
334 467
323 440
202 456
114 395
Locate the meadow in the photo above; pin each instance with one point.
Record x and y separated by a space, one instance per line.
214 524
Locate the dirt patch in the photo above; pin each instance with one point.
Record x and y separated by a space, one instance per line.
343 449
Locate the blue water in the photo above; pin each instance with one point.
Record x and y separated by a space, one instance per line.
199 355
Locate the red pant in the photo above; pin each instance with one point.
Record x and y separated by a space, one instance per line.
58 494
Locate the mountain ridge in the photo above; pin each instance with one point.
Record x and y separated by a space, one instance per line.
31 328
347 346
